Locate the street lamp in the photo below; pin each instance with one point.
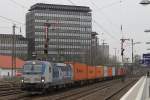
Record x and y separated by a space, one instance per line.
147 30
147 43
134 43
115 57
145 2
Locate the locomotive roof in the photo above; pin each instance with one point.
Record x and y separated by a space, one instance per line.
37 61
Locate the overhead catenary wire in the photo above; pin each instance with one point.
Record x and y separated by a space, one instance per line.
105 16
14 21
100 26
109 5
4 27
11 20
71 2
22 6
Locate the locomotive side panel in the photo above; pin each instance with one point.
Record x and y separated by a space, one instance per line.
62 73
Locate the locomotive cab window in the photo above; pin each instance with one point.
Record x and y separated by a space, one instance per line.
33 69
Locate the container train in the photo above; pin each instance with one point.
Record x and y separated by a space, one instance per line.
40 76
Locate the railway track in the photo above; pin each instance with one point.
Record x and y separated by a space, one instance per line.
8 89
75 93
80 93
10 92
114 95
109 92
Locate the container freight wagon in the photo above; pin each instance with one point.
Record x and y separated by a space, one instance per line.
113 71
121 71
116 72
99 72
109 72
91 72
79 71
105 71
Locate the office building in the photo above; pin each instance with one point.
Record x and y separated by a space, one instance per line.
20 44
69 31
104 49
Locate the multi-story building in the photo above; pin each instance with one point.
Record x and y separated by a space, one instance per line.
104 49
94 48
69 32
20 44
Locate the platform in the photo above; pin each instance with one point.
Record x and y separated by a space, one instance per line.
140 91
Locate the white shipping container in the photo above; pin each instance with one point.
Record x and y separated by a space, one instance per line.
113 71
105 71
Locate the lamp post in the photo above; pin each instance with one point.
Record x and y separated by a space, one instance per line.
147 30
133 43
115 57
145 2
13 52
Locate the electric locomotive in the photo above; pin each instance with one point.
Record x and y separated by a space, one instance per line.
39 76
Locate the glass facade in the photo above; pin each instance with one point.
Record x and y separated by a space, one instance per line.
69 32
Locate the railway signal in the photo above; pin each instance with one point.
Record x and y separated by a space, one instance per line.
122 51
47 25
122 48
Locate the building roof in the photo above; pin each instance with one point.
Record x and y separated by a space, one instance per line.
6 62
42 6
10 36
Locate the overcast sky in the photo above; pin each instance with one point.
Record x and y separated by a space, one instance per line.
108 15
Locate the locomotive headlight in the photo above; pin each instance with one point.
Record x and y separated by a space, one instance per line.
43 80
22 80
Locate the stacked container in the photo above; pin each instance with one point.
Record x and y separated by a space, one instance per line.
99 71
80 71
113 71
105 71
109 71
91 72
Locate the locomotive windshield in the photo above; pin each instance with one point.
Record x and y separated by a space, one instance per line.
33 69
